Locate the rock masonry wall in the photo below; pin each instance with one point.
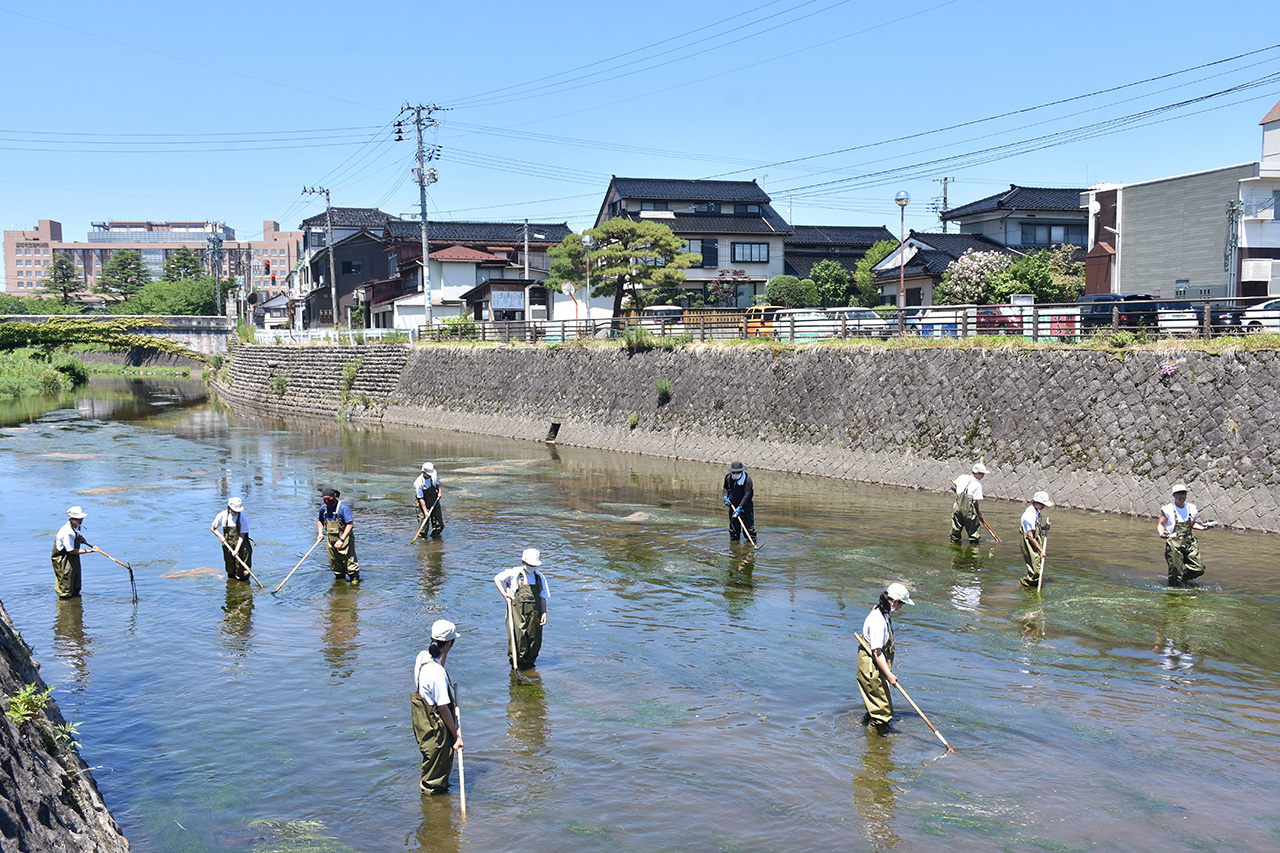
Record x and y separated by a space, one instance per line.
1098 430
48 799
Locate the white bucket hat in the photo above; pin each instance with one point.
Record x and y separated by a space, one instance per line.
1041 498
1178 487
531 557
428 468
235 505
442 630
979 468
75 512
898 592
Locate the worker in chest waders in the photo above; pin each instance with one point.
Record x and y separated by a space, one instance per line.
426 494
337 525
434 706
234 528
875 658
525 589
68 545
739 497
1035 536
1177 525
966 512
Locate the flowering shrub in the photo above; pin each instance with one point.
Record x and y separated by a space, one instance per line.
971 278
1168 368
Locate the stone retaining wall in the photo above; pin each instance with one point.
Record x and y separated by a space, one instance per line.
1098 430
48 799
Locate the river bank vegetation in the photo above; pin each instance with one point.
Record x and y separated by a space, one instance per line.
25 372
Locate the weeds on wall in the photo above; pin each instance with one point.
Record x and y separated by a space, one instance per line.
662 385
26 703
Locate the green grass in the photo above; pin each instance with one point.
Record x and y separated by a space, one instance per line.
25 372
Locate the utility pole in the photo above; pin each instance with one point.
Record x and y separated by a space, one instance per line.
215 264
942 209
328 244
424 176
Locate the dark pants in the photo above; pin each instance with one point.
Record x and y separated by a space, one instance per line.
746 518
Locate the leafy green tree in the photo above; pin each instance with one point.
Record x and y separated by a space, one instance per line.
791 292
11 304
183 264
196 296
865 291
124 275
832 280
975 278
63 279
628 257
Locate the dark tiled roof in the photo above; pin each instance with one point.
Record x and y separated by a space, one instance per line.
1022 198
510 233
942 250
674 189
801 266
863 236
768 222
351 217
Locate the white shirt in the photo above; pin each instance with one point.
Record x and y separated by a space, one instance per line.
431 680
227 517
423 483
1030 518
510 581
876 629
971 484
67 538
1170 515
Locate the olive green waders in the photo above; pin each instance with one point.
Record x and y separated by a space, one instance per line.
435 742
437 516
528 625
66 570
1182 553
872 684
964 518
342 562
1031 558
235 571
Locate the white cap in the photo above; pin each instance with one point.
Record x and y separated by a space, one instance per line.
428 468
531 557
1178 487
75 512
235 505
979 468
898 592
442 630
1041 498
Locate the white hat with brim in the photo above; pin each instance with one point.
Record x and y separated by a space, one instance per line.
75 512
428 468
1041 498
531 557
979 468
898 592
442 631
1178 487
235 505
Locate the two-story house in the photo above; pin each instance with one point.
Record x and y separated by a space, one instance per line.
844 244
358 257
731 224
1026 218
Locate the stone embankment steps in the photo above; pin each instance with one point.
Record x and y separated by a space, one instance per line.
48 799
1098 430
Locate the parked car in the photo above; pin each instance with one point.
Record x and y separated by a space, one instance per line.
862 322
1262 318
999 320
760 320
1135 310
804 324
663 319
939 322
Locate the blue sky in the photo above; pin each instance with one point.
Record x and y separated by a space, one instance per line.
119 111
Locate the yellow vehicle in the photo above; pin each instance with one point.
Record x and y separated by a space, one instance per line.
760 320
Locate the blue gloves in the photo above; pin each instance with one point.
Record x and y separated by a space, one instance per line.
726 501
737 512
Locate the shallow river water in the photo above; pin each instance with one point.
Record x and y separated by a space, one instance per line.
691 696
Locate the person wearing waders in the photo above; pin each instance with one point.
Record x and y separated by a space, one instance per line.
68 545
233 527
1035 531
739 493
434 710
525 589
1176 527
337 525
426 494
875 659
966 512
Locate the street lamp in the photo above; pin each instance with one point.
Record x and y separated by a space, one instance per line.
903 198
587 242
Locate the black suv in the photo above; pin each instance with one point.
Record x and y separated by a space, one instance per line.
1135 310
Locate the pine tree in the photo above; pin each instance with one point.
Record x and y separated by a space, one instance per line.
125 274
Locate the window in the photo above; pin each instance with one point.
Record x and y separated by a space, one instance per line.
705 246
748 253
653 205
1049 234
707 207
615 207
352 267
746 209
